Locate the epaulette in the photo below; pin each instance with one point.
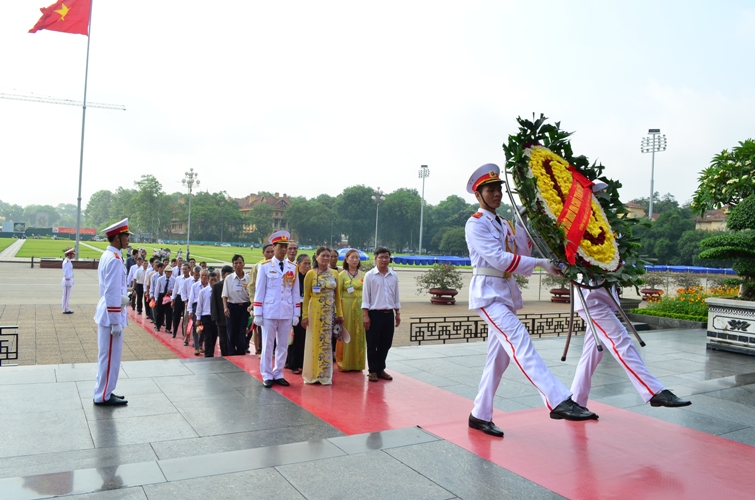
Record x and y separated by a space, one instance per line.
477 215
265 261
117 255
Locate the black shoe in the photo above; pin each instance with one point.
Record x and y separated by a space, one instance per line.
112 402
668 399
113 395
157 328
484 426
68 312
267 383
281 381
168 331
174 335
569 410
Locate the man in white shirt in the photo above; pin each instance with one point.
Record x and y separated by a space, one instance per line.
204 316
186 294
194 289
176 299
67 279
165 285
379 302
131 280
153 291
196 296
151 270
139 284
236 307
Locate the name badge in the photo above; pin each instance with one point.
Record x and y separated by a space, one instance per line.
316 289
272 274
350 289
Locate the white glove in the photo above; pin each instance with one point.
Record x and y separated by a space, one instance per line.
295 321
258 320
125 300
116 330
549 267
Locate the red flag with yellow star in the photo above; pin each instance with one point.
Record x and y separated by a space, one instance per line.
68 16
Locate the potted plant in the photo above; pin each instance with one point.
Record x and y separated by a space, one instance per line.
442 282
559 292
652 291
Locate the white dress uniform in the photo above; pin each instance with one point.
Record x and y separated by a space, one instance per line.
67 281
111 311
277 302
615 338
497 251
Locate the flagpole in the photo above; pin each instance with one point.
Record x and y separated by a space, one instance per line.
83 122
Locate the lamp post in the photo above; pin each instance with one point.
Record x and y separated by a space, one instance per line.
378 198
654 142
190 180
424 173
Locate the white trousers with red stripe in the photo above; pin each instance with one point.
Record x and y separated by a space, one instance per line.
66 297
615 340
109 363
508 340
274 330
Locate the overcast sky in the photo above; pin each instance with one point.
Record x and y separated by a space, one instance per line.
311 97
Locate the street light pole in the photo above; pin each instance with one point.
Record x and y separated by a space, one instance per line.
378 198
650 144
424 173
190 180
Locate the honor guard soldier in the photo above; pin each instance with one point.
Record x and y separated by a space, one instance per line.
276 308
497 251
111 316
67 279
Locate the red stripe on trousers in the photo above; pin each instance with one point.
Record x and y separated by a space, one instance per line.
513 351
613 346
107 377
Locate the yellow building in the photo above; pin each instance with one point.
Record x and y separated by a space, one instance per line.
713 220
277 202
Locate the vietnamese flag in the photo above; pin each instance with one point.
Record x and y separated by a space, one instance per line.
68 16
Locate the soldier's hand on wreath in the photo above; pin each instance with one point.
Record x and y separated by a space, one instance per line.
549 267
116 330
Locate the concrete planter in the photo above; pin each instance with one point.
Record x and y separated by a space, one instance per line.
443 296
660 323
731 325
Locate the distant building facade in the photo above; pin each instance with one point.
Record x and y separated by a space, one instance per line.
712 220
277 202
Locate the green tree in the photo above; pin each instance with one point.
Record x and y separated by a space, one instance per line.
453 212
659 241
11 212
400 214
261 219
728 180
121 206
97 211
660 204
356 215
688 249
147 205
454 242
326 200
214 217
312 222
47 215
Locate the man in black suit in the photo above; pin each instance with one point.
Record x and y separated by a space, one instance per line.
216 309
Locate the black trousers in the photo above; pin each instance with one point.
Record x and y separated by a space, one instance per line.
236 328
178 312
147 309
379 339
210 334
295 358
222 337
164 313
139 297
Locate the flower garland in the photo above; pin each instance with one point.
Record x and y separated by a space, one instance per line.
548 178
554 178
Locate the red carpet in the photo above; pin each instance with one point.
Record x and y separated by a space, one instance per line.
624 455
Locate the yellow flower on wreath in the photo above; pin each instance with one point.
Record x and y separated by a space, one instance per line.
604 254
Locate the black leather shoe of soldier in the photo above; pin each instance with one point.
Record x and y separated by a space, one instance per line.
569 410
112 402
267 383
113 395
668 399
281 381
484 426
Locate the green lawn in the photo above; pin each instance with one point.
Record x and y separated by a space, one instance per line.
6 242
54 249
